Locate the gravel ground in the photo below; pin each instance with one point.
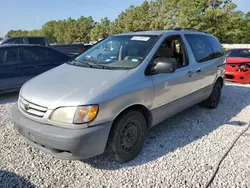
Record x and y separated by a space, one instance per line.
180 152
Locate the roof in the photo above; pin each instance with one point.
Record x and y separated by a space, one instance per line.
10 37
160 32
18 45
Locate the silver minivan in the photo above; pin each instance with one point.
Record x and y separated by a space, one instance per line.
111 95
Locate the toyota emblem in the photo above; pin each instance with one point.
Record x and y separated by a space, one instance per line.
27 106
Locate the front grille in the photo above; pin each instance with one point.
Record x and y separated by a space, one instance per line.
31 108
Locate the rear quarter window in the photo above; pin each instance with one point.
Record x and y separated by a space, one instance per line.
2 55
9 55
216 46
34 53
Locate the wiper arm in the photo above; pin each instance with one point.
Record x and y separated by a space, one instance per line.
94 64
81 63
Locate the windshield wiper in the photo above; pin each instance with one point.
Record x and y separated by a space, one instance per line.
94 64
80 63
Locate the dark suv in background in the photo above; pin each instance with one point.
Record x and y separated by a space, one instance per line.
19 63
26 40
71 50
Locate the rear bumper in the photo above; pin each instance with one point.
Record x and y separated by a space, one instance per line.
240 77
72 144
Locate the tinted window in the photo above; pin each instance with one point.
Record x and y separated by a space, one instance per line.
8 55
3 53
42 53
216 46
39 41
34 53
53 54
200 46
14 41
239 53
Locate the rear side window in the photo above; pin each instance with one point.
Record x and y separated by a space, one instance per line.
200 46
39 41
34 53
2 55
216 46
9 55
12 55
41 53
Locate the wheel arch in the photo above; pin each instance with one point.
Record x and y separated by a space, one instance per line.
220 80
137 107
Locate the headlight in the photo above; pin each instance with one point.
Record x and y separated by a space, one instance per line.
77 115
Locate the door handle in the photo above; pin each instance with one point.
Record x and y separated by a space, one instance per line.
198 71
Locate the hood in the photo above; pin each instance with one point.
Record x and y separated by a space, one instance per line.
69 85
238 60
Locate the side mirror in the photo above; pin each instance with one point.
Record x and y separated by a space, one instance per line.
164 65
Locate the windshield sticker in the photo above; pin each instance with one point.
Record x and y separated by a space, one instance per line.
140 38
134 60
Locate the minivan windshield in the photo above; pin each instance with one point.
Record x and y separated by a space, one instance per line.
117 52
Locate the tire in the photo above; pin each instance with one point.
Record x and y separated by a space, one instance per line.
127 136
213 100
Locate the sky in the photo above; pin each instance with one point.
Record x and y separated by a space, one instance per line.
32 14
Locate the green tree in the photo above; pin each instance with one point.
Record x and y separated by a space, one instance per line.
72 30
101 30
17 33
48 30
218 17
134 18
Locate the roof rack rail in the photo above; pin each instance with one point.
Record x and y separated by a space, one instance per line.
184 29
138 30
187 29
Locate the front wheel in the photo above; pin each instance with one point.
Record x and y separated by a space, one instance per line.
213 100
128 135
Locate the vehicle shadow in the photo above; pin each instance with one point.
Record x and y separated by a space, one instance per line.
12 180
8 98
184 128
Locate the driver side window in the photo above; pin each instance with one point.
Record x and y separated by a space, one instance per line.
173 48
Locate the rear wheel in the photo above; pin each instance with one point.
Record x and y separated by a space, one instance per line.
128 135
213 100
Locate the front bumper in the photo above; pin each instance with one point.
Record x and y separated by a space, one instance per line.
72 144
